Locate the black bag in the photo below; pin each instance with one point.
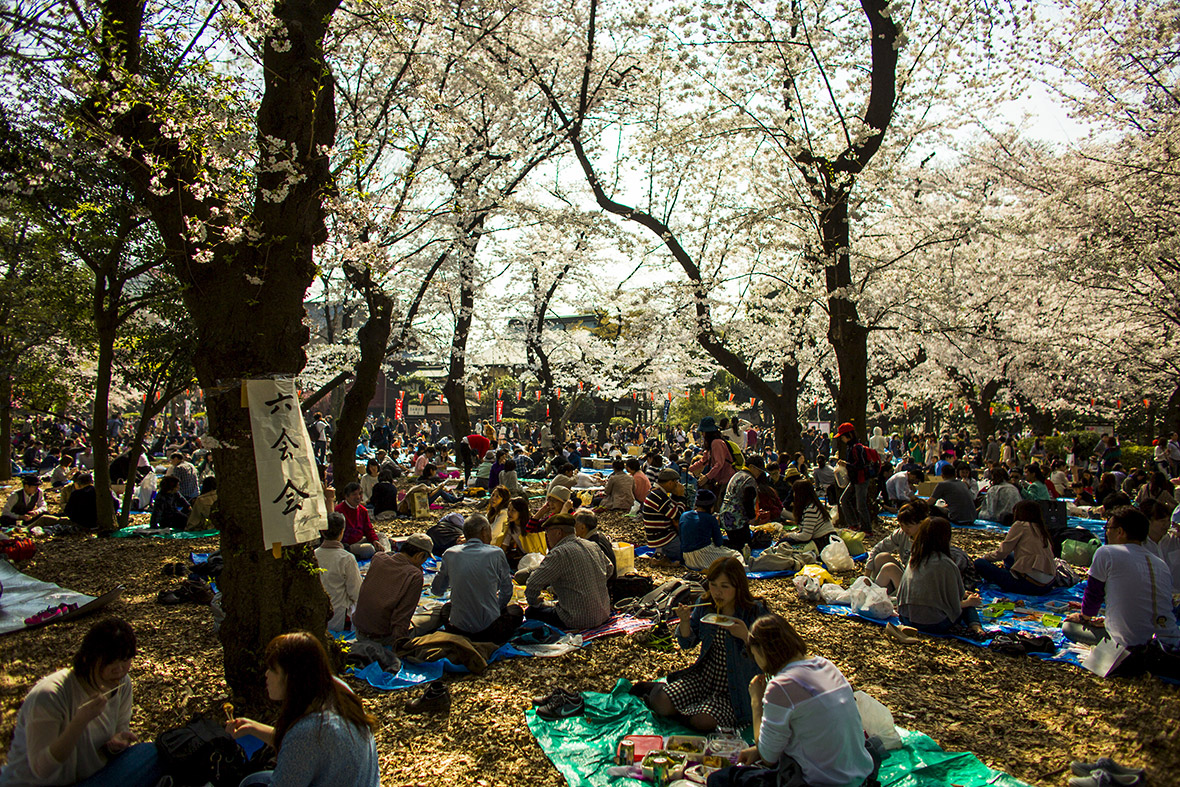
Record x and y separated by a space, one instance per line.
660 604
444 535
199 752
1054 515
630 587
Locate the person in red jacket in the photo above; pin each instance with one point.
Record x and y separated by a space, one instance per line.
359 536
472 447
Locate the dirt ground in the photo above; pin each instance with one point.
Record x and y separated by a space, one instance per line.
1018 715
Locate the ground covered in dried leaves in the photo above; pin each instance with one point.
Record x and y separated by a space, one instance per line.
1019 715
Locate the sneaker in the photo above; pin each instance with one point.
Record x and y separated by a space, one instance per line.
658 638
563 709
49 614
1101 778
436 699
1104 764
557 693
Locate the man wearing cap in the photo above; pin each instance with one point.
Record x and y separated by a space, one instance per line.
700 534
480 581
575 571
740 504
661 514
391 590
557 501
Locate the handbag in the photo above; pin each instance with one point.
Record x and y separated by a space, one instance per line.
200 752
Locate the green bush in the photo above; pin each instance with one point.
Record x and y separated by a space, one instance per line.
619 420
1134 456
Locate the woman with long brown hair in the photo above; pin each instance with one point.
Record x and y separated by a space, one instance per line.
323 736
931 596
713 692
815 523
1029 567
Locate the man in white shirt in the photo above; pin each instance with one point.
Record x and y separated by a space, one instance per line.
341 575
899 488
1135 586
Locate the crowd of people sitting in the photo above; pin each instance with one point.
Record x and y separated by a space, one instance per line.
706 498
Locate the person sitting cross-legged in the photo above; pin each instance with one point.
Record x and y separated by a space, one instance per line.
931 596
1134 584
576 571
75 725
359 536
661 515
170 509
341 576
889 556
478 576
700 534
1027 552
390 591
26 507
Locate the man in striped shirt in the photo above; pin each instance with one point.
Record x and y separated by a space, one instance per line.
661 515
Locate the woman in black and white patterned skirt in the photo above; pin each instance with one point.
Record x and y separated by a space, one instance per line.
714 692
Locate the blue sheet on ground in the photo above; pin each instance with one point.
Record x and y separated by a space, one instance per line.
1095 526
411 675
646 551
1031 615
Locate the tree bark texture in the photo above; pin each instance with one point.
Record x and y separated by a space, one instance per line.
455 389
245 299
5 427
372 337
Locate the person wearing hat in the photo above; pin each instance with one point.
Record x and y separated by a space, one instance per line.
700 534
783 480
740 505
854 502
575 571
391 590
661 514
715 468
557 501
26 507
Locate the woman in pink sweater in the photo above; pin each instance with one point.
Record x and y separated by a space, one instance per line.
1027 552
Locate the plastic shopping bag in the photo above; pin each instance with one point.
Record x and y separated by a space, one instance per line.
869 599
835 555
819 572
834 594
807 587
877 720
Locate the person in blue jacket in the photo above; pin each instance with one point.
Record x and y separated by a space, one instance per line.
714 691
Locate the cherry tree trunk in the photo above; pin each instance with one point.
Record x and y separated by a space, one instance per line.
5 427
455 388
373 338
849 339
105 329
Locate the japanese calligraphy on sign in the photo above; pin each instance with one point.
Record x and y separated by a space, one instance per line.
289 490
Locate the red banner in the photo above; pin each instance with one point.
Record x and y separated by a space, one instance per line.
499 410
397 410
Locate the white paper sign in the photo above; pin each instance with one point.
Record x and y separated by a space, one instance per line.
289 489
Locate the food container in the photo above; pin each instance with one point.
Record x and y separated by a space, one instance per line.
676 763
723 750
645 744
691 746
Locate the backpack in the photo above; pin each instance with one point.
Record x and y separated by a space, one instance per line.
660 604
199 752
874 463
18 548
737 458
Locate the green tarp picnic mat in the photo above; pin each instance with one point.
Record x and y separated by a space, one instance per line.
143 531
582 748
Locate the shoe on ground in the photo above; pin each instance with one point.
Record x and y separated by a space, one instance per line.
1107 764
1101 778
557 693
562 710
902 635
658 638
436 699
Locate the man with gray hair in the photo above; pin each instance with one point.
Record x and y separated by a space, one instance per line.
477 573
586 524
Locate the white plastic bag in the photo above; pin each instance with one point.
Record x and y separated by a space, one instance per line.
870 599
807 587
530 561
833 594
835 555
877 720
147 488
